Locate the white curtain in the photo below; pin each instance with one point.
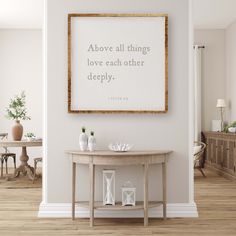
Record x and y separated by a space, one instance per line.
197 92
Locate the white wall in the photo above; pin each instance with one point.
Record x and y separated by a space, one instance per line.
165 131
213 72
231 71
21 69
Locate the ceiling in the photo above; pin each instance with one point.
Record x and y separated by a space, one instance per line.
28 14
18 14
213 14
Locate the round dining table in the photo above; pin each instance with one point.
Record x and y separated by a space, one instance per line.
24 167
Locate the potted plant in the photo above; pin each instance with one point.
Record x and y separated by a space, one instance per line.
231 127
17 111
30 136
91 142
83 140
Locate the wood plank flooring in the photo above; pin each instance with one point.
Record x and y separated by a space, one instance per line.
215 196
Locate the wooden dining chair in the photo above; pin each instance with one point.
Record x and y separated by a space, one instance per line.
5 155
199 148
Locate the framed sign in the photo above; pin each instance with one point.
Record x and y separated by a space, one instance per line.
118 63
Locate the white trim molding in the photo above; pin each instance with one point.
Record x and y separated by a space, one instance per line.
63 210
45 108
191 103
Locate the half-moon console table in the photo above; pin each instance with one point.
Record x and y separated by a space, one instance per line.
106 158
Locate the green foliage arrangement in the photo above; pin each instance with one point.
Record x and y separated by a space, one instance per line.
30 135
17 109
233 124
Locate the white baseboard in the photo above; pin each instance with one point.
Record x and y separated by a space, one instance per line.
63 210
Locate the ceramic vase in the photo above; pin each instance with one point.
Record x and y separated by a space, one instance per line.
17 131
91 142
83 141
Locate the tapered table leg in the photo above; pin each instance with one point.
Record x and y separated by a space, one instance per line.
164 188
73 189
145 193
91 202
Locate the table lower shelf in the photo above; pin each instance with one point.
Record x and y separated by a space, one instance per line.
118 206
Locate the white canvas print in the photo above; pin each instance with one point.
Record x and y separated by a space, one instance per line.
118 64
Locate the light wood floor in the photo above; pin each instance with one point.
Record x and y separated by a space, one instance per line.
215 196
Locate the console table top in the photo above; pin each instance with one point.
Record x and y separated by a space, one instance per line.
218 134
112 153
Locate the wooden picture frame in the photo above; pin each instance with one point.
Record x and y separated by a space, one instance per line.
89 22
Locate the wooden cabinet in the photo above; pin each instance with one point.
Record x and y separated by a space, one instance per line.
220 153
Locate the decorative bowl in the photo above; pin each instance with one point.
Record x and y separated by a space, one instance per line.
119 147
232 129
29 139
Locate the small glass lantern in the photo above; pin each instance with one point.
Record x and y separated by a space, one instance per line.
108 187
128 194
